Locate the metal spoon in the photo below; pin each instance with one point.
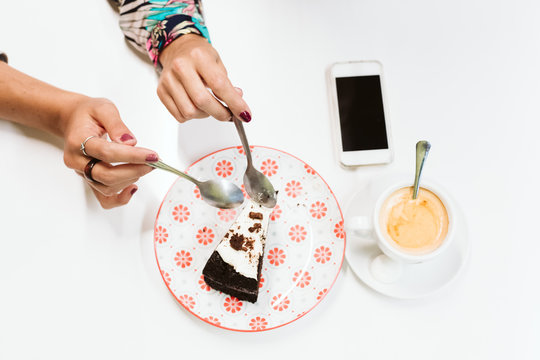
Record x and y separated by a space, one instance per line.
222 194
258 187
422 150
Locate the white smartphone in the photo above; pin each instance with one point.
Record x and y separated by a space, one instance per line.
360 121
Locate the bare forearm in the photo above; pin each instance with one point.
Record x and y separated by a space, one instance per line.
31 102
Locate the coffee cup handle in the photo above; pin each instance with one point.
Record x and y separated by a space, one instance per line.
383 268
359 225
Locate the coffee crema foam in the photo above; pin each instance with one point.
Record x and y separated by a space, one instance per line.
416 226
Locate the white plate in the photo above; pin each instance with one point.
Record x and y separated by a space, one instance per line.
304 250
417 280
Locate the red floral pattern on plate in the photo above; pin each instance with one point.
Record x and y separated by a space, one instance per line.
166 277
280 303
243 188
232 304
258 323
293 188
309 169
180 213
213 320
276 213
318 210
203 285
161 235
226 215
276 256
339 230
187 301
183 259
321 294
197 192
322 254
224 168
297 233
205 236
261 282
302 279
241 149
269 167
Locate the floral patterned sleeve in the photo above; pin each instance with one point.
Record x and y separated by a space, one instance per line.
150 25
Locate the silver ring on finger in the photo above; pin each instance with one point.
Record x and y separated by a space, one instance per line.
83 144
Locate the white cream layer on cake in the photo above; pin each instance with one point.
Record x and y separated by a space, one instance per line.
243 244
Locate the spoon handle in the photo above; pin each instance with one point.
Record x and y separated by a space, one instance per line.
243 138
161 165
422 150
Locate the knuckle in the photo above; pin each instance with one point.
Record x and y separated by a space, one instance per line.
179 65
219 83
105 177
189 112
201 99
103 104
104 153
223 116
105 204
160 91
73 143
68 161
197 53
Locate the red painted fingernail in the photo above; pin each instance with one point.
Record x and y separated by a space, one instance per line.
126 137
133 191
245 116
152 158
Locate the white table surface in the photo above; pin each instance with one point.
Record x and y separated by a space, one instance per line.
78 282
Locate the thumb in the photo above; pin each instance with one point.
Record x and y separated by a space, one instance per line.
108 116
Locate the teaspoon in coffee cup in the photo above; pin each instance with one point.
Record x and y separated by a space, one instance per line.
222 194
422 150
258 187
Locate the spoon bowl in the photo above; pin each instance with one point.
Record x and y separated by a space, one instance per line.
222 194
258 187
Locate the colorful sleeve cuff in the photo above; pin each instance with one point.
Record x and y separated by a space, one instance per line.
150 25
167 30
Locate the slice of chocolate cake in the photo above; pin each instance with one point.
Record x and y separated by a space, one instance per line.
235 266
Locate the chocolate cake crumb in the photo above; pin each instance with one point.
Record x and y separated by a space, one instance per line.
248 245
226 235
256 227
237 240
255 215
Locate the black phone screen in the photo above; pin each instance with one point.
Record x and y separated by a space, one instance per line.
361 113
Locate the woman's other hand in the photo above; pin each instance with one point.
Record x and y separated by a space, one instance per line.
191 68
121 165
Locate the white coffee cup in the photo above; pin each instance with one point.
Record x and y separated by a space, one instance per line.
388 266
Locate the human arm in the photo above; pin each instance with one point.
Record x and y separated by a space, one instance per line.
74 117
174 36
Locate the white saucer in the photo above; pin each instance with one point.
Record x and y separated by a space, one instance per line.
417 280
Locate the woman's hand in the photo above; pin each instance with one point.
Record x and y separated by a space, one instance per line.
191 66
114 184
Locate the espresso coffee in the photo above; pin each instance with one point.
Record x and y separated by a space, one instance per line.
415 226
